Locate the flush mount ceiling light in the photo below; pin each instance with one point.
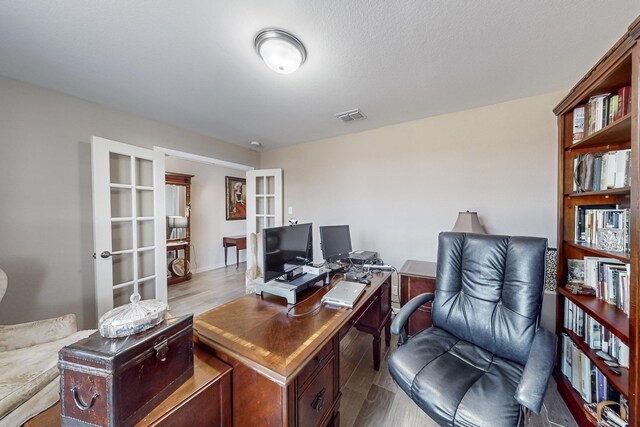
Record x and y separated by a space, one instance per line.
281 51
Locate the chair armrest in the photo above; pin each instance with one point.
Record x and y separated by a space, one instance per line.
400 321
533 384
13 337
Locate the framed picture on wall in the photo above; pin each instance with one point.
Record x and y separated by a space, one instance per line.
236 198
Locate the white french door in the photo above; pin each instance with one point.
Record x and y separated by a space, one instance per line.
264 203
128 223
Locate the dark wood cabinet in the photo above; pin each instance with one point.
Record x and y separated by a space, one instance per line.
417 277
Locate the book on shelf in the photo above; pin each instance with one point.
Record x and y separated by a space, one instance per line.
585 377
594 334
624 101
602 171
579 122
609 278
613 108
601 110
590 220
588 374
596 113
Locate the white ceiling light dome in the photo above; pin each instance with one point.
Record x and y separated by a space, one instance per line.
280 50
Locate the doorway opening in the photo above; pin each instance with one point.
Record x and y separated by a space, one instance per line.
203 214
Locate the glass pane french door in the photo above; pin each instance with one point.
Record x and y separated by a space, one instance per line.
129 223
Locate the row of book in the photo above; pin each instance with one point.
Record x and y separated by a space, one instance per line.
588 380
600 111
608 277
596 336
584 375
591 219
602 171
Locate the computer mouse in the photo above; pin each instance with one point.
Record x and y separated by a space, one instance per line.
365 281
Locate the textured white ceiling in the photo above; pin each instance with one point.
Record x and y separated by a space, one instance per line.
191 63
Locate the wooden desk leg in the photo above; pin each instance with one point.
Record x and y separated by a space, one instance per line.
237 257
387 333
225 253
376 351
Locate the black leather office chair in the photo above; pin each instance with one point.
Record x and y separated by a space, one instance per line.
485 354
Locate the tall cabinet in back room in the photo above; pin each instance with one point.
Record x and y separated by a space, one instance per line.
599 234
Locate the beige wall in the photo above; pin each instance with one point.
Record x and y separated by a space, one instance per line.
208 215
399 186
45 195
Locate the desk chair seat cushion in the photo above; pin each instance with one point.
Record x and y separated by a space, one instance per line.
456 382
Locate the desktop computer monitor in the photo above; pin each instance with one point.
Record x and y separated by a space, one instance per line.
286 249
335 241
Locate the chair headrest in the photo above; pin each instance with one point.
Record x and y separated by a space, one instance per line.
4 282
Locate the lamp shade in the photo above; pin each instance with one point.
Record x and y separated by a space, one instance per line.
468 222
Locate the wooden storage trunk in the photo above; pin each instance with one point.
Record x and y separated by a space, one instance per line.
117 381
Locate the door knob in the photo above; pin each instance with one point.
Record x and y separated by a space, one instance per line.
105 254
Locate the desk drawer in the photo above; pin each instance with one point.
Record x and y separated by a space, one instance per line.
315 364
317 399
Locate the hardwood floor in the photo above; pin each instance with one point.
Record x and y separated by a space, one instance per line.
207 290
369 398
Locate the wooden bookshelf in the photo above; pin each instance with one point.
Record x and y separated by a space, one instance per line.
619 67
592 250
608 192
607 315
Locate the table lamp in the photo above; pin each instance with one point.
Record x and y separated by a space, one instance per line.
468 223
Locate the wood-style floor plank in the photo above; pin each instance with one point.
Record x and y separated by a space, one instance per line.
207 290
375 408
350 405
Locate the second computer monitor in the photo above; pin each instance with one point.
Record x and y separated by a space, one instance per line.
335 242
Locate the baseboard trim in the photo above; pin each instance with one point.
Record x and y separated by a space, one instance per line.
214 267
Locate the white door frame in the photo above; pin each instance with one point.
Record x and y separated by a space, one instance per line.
202 159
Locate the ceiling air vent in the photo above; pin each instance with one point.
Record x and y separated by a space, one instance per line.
351 115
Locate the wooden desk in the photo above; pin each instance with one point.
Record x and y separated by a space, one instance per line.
204 399
417 277
240 242
286 371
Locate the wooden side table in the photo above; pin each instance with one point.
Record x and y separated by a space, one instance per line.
417 277
240 242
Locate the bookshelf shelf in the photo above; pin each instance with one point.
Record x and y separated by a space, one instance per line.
592 250
615 133
617 74
609 192
619 382
607 315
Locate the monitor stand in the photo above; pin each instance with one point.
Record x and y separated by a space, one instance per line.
289 289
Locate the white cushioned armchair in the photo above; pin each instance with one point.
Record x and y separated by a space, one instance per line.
29 374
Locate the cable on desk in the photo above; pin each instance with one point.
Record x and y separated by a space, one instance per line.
308 313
